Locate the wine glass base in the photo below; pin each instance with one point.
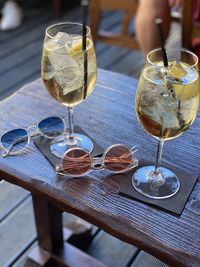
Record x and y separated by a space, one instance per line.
155 188
62 143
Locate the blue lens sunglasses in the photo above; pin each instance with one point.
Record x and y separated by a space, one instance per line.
16 141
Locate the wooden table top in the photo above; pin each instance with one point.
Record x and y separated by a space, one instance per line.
108 116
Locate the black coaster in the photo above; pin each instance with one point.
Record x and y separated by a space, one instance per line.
43 144
174 204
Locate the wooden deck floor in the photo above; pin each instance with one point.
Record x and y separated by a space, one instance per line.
20 55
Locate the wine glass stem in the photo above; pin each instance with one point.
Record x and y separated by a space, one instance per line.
159 155
71 126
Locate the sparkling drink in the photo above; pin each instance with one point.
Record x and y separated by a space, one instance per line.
167 99
63 68
69 74
166 105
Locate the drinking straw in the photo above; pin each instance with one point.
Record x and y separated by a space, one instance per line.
84 4
158 22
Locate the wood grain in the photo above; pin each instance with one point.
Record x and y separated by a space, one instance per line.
108 116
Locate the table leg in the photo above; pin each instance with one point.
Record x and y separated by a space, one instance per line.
52 250
48 220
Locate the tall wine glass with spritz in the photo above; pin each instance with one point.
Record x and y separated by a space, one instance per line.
69 74
166 104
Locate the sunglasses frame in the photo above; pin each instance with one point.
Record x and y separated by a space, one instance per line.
32 131
98 161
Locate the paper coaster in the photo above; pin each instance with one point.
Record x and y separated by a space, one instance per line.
174 204
43 144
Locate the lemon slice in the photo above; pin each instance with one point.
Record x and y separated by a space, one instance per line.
190 82
77 46
186 92
176 70
183 80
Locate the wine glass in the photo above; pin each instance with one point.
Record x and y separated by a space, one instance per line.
166 104
69 74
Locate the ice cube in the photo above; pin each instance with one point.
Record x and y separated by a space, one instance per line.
62 62
69 80
176 70
154 74
60 44
59 52
168 114
149 105
161 110
174 74
63 40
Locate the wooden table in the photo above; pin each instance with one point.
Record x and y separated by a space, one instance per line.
108 116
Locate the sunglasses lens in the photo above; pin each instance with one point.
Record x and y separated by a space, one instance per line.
118 158
51 127
15 140
76 162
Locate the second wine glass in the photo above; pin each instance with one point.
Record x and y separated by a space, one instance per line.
166 105
69 74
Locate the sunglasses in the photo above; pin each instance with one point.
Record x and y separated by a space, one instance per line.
116 158
15 141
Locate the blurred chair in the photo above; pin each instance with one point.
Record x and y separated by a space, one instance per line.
190 26
56 5
124 38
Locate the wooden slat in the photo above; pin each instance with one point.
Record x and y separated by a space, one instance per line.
111 251
10 197
23 261
16 232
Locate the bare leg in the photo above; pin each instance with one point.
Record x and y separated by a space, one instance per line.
146 30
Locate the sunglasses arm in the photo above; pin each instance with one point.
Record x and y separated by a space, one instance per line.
133 150
59 170
135 161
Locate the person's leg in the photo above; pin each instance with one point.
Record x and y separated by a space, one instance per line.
146 30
